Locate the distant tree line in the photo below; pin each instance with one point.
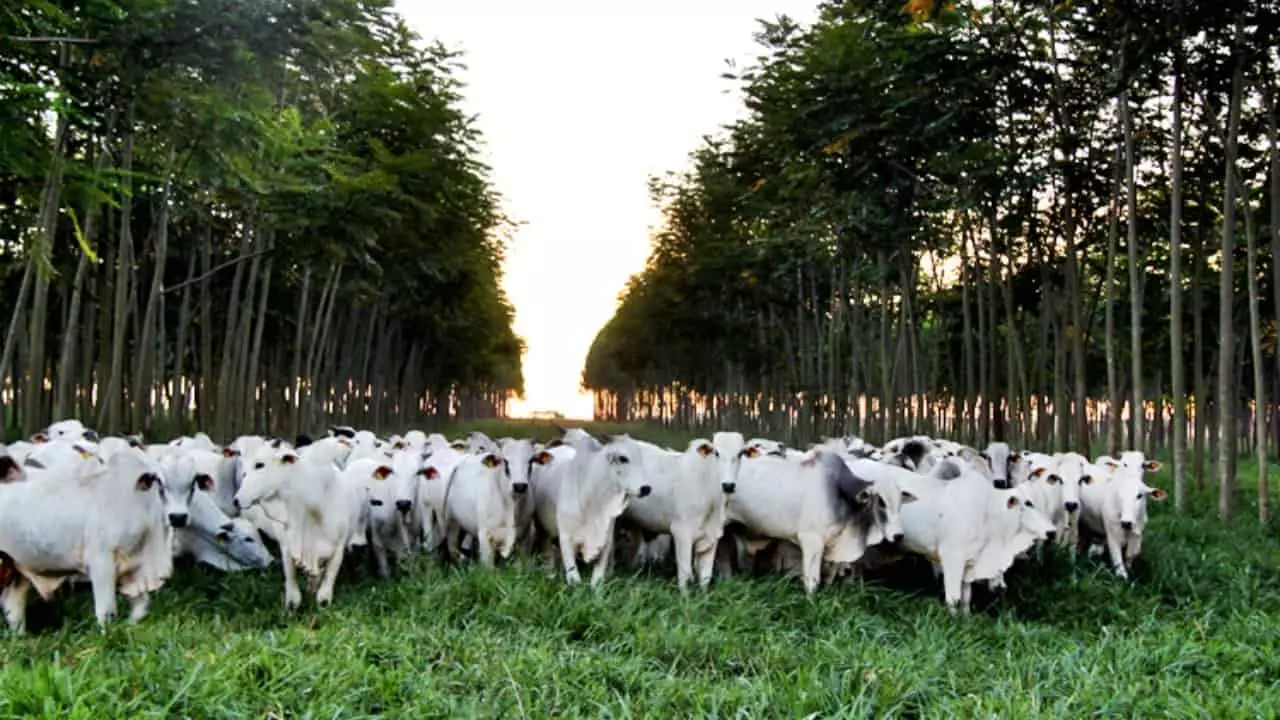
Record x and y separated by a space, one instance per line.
242 216
1039 222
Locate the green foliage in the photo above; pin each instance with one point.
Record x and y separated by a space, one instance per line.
320 134
1189 636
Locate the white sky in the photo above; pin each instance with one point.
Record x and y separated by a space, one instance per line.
580 103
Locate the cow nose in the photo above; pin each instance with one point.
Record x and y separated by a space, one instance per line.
1127 524
1073 506
404 506
645 490
1001 484
235 503
1052 534
897 537
728 488
178 520
519 488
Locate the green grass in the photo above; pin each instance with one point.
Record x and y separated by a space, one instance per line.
1195 634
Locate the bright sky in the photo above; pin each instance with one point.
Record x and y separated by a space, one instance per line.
580 102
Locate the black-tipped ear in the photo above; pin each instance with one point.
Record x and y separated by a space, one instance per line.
9 470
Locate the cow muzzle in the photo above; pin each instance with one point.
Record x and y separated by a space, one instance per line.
404 506
728 488
1072 507
897 537
1001 484
520 488
644 491
178 520
1126 524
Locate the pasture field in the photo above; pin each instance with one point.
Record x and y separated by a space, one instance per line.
1196 634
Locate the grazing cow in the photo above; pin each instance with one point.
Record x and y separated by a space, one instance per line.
106 523
480 500
971 531
1114 509
67 430
587 494
811 503
235 547
687 502
322 516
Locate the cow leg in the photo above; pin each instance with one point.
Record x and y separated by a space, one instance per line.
725 555
953 583
966 595
601 568
138 606
569 557
484 541
380 556
1133 547
1115 542
102 576
704 563
292 595
14 599
811 547
682 545
324 593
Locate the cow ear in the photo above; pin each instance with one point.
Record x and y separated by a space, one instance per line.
9 470
222 537
705 449
204 482
908 497
1157 494
382 472
288 459
1111 463
1039 472
146 481
542 458
1014 457
863 498
554 444
39 438
1012 502
230 452
751 452
490 461
1151 465
430 473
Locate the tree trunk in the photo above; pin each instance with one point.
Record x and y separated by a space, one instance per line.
1226 357
112 410
1135 274
142 379
1255 342
1114 399
1176 343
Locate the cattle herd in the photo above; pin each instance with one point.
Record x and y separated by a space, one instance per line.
115 512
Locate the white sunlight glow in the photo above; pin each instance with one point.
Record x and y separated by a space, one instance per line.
580 103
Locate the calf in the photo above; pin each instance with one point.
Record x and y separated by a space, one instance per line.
107 523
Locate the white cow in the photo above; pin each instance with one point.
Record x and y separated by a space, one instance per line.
1114 507
480 500
971 531
811 503
322 516
235 547
392 487
106 523
1001 459
586 495
687 502
433 484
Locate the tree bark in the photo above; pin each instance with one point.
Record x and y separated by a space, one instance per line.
1226 337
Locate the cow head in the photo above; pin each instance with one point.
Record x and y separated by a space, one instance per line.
730 447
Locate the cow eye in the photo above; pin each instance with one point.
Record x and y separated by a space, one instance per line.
1141 495
259 466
